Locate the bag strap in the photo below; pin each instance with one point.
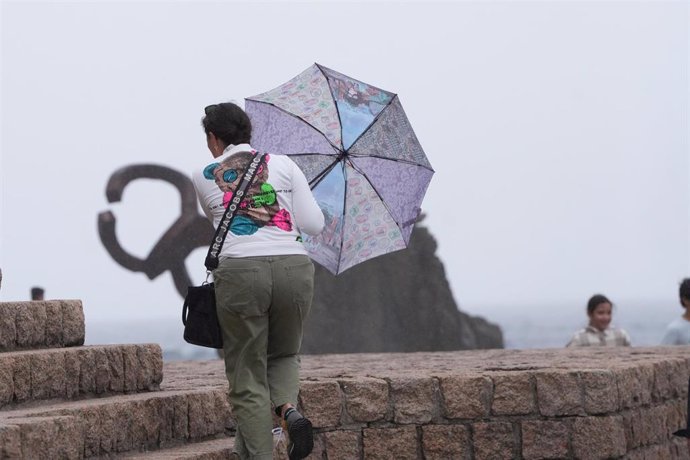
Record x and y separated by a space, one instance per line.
211 261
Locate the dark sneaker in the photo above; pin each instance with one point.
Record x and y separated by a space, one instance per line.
301 437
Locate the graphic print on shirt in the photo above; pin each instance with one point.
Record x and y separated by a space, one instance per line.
260 205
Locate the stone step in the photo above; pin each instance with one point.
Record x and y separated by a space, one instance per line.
215 449
78 372
41 324
115 425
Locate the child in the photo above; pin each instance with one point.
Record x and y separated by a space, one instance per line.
598 332
678 332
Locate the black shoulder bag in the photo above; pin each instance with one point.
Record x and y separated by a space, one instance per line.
199 317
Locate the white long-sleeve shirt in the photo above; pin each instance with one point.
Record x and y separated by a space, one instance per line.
677 333
277 207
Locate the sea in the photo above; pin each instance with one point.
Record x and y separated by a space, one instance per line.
523 327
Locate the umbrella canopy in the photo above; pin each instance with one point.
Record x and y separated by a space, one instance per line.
360 155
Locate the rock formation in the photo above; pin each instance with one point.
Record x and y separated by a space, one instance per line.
399 302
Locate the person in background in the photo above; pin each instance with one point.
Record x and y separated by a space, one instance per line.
264 283
599 332
37 293
678 331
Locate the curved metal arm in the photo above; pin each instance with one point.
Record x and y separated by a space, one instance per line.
187 233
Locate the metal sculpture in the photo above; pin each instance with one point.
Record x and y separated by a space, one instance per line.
191 230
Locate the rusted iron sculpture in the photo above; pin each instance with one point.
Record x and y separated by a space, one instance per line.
190 231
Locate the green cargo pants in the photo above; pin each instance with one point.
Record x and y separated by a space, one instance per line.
262 303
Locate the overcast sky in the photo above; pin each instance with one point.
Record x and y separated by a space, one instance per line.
558 132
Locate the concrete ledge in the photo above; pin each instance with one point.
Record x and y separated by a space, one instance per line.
68 373
41 324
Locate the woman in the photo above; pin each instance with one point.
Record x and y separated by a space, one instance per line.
264 282
599 332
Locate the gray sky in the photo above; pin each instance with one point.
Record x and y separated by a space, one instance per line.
558 132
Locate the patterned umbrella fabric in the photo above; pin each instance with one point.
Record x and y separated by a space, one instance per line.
360 155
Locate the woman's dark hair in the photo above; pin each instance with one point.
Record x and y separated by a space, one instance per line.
228 123
596 299
684 291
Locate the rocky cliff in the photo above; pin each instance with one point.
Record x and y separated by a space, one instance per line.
399 302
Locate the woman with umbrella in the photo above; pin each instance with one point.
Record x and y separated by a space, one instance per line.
264 282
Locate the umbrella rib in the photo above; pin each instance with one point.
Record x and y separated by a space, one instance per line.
302 120
380 198
395 96
335 103
338 111
342 231
319 177
397 160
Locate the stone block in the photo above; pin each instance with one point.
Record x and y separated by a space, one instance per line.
39 324
663 371
120 415
635 385
494 441
91 416
513 394
10 442
107 430
31 324
390 443
322 402
632 426
8 327
70 441
87 370
678 448
53 334
72 323
670 380
147 425
203 420
130 363
657 426
51 437
47 375
150 366
559 393
466 397
678 379
366 399
654 453
343 445
598 437
180 424
646 426
601 392
116 369
224 417
446 442
544 439
675 415
414 399
6 380
21 376
102 370
72 374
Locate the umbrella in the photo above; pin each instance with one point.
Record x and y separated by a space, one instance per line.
360 155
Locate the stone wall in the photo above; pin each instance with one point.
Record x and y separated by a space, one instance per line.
62 400
495 404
